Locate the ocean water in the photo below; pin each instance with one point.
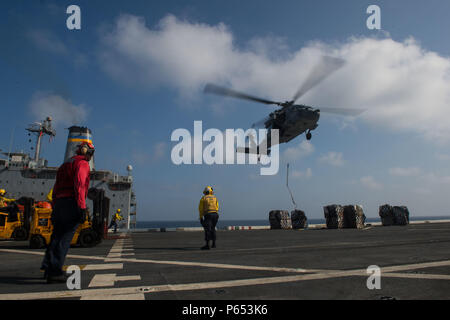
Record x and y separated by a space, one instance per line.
226 223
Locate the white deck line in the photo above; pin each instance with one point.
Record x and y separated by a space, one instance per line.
109 279
99 294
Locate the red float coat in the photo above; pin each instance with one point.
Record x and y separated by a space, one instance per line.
72 180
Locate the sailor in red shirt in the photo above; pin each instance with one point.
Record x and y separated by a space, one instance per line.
69 209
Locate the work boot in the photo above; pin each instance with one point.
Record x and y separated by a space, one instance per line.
205 247
57 279
45 271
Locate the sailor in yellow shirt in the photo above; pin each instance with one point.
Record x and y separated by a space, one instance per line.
208 209
116 217
3 200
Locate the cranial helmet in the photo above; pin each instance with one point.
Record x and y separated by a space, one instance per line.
208 190
86 148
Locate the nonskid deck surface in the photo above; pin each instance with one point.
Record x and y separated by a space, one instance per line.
254 264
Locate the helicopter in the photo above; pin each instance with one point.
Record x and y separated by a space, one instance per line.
292 119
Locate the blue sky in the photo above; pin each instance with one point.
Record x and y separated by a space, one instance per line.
133 75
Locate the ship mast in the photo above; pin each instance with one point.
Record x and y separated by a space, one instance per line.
40 129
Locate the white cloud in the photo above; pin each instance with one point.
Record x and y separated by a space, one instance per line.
402 85
335 159
176 53
434 179
443 157
304 149
422 191
405 172
159 150
369 182
47 41
298 174
142 157
62 111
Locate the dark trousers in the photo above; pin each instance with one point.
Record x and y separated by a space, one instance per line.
113 223
65 220
209 224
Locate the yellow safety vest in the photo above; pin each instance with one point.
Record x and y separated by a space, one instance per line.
5 201
208 204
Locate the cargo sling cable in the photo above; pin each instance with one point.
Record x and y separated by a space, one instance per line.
287 185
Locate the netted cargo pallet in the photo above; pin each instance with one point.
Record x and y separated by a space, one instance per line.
286 224
394 215
386 215
332 214
360 217
401 215
353 217
337 216
299 220
274 219
279 219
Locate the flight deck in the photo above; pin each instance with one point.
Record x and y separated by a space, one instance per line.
414 261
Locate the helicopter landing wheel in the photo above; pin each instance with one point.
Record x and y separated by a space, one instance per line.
308 135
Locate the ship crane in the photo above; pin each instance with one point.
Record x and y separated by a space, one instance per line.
41 129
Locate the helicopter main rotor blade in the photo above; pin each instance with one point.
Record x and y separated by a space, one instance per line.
322 70
261 124
343 111
212 88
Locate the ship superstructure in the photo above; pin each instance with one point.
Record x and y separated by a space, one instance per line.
24 176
